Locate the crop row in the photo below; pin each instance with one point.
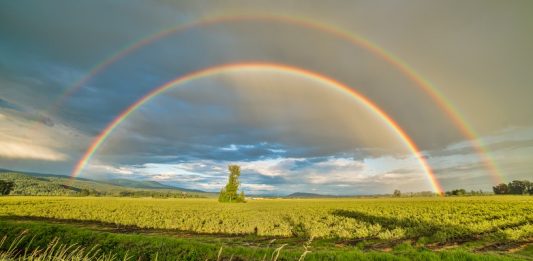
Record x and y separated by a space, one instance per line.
441 219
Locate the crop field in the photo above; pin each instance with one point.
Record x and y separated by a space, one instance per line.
487 222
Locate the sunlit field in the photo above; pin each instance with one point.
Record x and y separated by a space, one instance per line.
431 220
482 224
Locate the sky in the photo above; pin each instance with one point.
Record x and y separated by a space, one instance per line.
289 132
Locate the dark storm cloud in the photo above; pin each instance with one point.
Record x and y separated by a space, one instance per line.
79 34
184 131
251 177
494 147
25 113
8 105
104 97
51 46
453 172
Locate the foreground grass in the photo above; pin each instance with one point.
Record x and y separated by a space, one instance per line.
85 244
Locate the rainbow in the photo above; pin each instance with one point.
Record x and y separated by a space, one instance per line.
440 99
394 127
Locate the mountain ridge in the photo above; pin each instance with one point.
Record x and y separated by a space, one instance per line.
309 195
33 183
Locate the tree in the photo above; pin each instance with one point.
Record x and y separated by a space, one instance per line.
501 188
459 192
230 192
6 187
456 192
519 187
397 193
84 192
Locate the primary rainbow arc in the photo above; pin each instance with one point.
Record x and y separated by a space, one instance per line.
367 103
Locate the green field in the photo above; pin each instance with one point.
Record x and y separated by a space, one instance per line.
487 226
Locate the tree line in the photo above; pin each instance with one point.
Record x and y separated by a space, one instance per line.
156 194
464 192
26 189
515 187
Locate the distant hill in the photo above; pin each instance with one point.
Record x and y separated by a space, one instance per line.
137 184
30 183
146 184
308 195
35 174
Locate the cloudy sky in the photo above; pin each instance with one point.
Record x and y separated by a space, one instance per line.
288 132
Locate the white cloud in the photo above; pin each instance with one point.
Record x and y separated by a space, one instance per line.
286 175
20 150
209 186
24 136
267 167
233 147
108 169
257 187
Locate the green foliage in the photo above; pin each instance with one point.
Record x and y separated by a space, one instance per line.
43 241
101 244
50 185
501 189
519 187
6 187
53 251
456 192
516 187
230 193
157 194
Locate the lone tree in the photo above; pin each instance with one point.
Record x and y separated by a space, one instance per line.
6 187
230 192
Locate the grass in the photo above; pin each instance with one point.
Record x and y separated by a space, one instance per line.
428 220
45 245
40 235
472 228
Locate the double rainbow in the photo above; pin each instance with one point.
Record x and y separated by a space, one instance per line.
425 85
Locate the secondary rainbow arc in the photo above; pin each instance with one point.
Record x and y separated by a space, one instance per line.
441 100
367 103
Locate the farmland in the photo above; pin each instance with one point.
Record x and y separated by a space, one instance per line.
497 224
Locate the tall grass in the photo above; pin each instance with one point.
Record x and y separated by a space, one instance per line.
53 251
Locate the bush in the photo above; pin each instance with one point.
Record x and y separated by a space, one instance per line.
6 187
